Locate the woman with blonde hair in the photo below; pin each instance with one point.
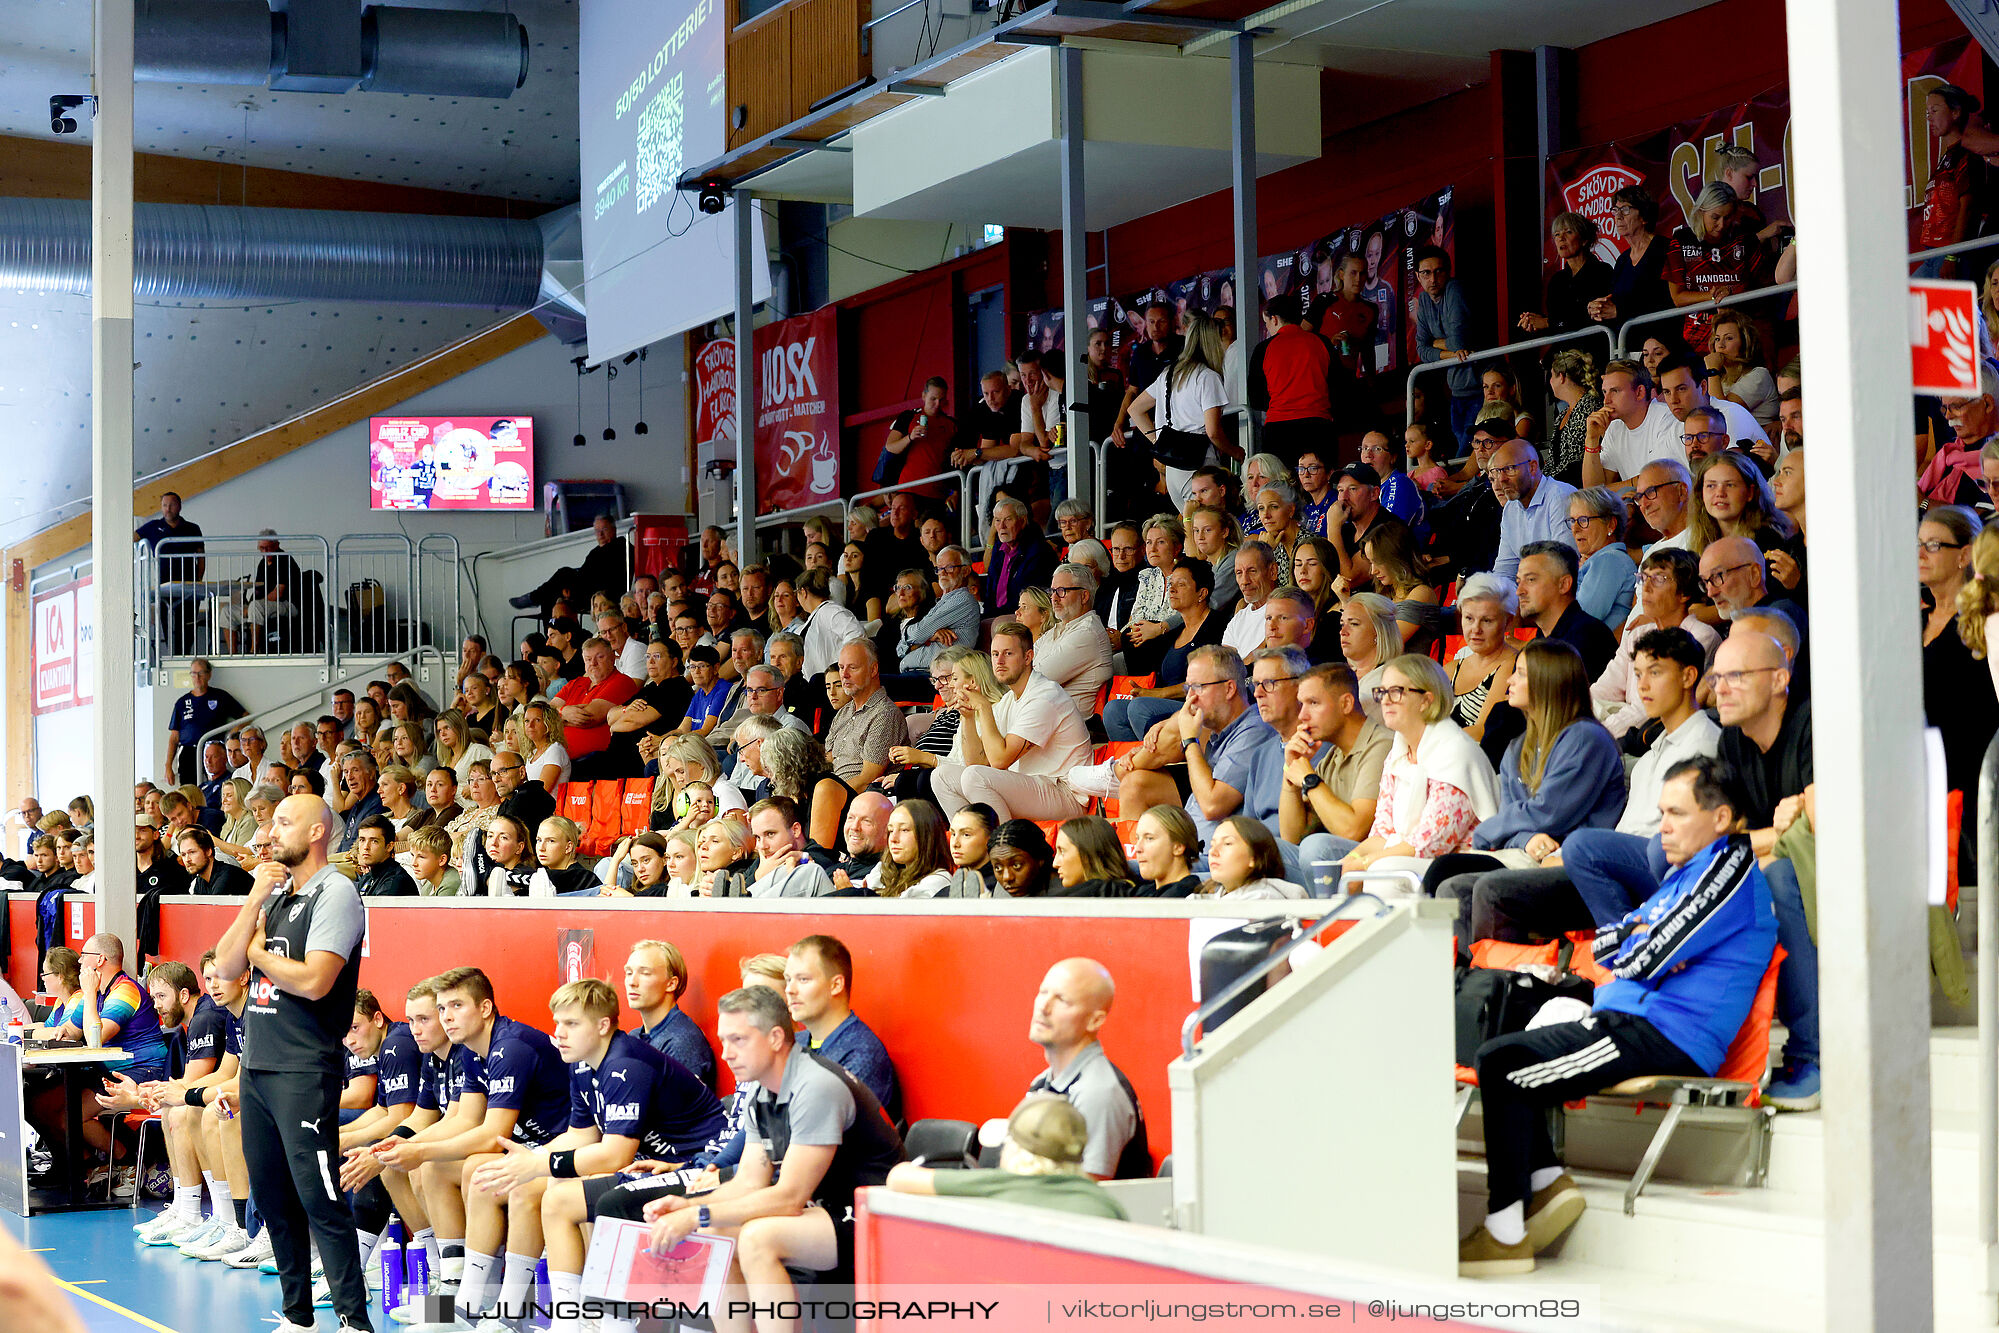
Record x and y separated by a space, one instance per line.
1717 226
1165 845
455 747
1213 535
1370 638
1732 498
1735 367
407 747
1419 615
1957 698
541 728
1436 785
1190 396
1576 392
682 760
82 814
233 798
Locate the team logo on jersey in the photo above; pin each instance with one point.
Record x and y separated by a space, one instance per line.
499 1087
622 1111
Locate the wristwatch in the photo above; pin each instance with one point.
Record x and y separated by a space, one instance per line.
1311 780
702 1217
1186 741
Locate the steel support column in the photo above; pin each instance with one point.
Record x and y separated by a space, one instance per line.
1242 155
1872 923
115 683
1075 277
746 384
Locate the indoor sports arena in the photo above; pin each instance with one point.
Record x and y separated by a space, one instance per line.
1230 744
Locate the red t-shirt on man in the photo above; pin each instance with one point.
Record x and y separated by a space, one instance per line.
617 688
1288 376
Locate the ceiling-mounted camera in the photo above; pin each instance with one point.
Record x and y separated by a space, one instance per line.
60 105
712 198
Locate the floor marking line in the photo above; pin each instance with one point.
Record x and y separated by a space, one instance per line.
113 1306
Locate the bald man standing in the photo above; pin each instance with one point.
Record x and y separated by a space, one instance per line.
1070 1010
299 933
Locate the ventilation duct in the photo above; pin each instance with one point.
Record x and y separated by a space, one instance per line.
326 46
199 252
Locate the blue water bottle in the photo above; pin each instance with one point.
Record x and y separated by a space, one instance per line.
392 1270
416 1273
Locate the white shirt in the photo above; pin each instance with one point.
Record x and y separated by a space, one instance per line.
1698 737
1246 630
1233 375
1046 718
554 754
1626 451
474 752
828 630
1191 399
1076 656
632 661
1051 420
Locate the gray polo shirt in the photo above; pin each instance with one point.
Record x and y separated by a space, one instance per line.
1093 1085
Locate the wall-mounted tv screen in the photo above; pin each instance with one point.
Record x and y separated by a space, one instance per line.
451 463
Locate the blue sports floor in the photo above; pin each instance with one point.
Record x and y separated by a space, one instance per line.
120 1286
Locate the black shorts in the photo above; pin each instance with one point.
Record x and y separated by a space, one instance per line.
625 1196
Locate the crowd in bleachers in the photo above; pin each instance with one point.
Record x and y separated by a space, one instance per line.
1545 652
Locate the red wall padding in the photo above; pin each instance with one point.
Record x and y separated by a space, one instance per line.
903 1259
949 995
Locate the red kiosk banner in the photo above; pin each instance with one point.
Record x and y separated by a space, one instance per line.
797 442
1676 162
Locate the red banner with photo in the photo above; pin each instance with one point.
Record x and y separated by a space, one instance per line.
797 445
1386 246
1676 162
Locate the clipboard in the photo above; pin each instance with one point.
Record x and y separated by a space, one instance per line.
621 1266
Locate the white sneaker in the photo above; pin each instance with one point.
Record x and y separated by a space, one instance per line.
166 1221
285 1325
204 1235
181 1229
1094 780
234 1239
258 1250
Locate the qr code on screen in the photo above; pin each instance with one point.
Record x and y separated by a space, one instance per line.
658 155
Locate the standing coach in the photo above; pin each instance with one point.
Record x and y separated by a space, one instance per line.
303 944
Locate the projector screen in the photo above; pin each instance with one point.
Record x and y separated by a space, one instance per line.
652 107
451 463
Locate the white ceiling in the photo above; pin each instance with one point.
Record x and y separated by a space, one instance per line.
205 377
523 147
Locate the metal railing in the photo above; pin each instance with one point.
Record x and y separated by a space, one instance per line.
377 588
320 696
1498 353
200 596
1674 313
961 478
1190 1029
440 600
